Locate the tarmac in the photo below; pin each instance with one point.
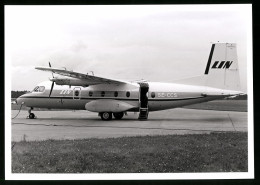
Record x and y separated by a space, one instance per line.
69 124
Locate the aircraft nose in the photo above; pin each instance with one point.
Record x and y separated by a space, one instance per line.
19 101
14 102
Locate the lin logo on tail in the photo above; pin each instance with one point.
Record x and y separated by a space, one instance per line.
222 64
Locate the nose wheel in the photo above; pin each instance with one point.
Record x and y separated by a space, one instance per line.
31 115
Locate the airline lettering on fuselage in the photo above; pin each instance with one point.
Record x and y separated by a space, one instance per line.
167 95
222 64
65 91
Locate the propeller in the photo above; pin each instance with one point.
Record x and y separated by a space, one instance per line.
50 67
53 81
52 85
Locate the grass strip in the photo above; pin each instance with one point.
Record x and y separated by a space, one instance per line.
214 152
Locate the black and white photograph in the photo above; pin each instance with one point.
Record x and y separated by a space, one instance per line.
110 92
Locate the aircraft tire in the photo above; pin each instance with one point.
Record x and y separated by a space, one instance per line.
31 116
106 116
118 115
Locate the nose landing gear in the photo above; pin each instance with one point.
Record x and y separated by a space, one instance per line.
31 115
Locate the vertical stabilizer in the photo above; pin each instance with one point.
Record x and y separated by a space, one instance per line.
222 67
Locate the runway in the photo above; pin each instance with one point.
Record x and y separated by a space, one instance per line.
83 124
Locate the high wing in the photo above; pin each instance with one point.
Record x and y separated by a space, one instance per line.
78 78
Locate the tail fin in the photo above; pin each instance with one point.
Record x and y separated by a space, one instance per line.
222 67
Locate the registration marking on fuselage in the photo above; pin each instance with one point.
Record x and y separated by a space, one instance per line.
167 95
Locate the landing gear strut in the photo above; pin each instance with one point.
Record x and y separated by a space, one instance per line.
31 115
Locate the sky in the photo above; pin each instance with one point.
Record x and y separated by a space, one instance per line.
156 42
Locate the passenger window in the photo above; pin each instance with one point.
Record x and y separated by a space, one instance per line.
90 93
152 94
103 93
76 93
116 94
127 94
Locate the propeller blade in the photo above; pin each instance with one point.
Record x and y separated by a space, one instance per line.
50 67
51 89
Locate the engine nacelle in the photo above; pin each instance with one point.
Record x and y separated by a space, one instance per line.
70 82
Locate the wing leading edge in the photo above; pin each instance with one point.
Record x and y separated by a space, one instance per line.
83 79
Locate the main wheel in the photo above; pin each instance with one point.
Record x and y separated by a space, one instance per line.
106 116
118 115
31 116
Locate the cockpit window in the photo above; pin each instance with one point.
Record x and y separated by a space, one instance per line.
36 89
39 89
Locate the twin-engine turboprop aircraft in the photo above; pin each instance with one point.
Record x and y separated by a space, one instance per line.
115 97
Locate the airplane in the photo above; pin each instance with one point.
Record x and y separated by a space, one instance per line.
114 98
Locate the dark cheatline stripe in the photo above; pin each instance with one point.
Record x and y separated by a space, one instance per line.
176 99
82 98
210 57
122 99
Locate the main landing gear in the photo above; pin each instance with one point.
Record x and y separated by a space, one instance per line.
31 115
118 115
106 116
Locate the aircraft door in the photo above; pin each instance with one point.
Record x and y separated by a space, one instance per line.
77 93
143 100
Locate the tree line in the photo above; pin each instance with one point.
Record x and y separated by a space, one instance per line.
16 94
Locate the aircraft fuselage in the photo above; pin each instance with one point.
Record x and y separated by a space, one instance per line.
160 96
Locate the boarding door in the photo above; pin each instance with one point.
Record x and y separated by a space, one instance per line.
77 93
143 101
